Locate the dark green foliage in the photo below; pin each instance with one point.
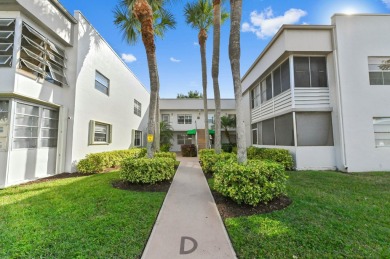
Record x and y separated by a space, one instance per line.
227 147
210 158
165 147
279 155
166 136
148 170
98 162
250 183
188 150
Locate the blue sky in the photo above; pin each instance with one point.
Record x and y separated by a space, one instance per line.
178 54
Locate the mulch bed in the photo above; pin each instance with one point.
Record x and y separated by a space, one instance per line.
230 209
157 187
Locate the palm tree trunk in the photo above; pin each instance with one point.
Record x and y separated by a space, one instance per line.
157 138
202 42
143 11
215 73
234 56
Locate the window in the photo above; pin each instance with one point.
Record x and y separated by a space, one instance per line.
268 132
49 128
211 118
314 129
379 70
4 114
284 130
41 57
7 32
310 72
100 133
137 138
268 82
184 139
137 108
34 126
102 83
254 134
165 117
184 119
382 132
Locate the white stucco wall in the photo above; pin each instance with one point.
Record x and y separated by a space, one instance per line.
358 37
117 109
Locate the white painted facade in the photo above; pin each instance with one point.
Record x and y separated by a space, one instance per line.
342 52
31 103
172 108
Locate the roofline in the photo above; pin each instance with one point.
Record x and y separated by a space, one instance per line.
361 14
64 11
227 99
110 47
276 36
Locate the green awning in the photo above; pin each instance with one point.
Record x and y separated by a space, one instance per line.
193 132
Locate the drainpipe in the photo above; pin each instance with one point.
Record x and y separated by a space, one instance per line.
339 102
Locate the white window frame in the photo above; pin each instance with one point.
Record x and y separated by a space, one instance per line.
167 116
4 126
140 138
137 108
92 132
381 128
183 139
375 67
99 81
187 119
7 41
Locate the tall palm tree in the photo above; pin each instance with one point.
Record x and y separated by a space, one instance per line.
234 56
145 18
199 15
219 17
226 123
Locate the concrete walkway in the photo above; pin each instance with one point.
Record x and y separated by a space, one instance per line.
189 225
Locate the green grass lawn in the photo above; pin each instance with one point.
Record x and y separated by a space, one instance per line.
332 215
82 217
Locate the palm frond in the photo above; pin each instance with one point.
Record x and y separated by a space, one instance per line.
199 14
126 22
164 20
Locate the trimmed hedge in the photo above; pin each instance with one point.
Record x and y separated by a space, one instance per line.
98 162
146 170
166 154
278 155
209 159
250 183
188 150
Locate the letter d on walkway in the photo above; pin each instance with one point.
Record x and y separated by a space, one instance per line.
182 245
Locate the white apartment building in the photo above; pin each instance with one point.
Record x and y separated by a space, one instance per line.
64 92
188 114
323 92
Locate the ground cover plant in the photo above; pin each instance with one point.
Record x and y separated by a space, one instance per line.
79 217
332 215
278 155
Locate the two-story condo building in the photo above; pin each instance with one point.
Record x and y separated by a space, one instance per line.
323 92
64 92
187 116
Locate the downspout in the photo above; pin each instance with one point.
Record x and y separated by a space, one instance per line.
339 102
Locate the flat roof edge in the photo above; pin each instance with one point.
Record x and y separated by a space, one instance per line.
64 11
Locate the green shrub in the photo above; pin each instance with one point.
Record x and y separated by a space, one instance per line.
98 162
250 183
234 150
209 159
147 170
166 154
227 147
188 150
165 147
278 155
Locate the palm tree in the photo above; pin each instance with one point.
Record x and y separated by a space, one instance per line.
145 18
200 16
166 132
218 18
234 56
226 123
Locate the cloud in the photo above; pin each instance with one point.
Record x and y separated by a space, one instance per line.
265 24
196 43
128 58
174 60
387 3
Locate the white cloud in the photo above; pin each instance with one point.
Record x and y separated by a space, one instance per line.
174 60
196 43
265 24
387 3
128 58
